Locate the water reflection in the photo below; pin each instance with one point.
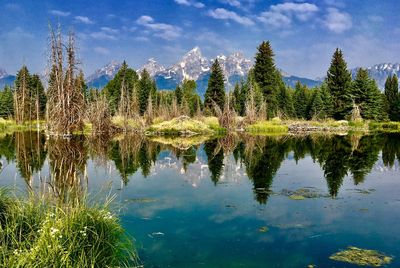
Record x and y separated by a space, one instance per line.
259 156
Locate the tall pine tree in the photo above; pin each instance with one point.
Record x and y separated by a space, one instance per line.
215 92
124 82
38 96
392 97
367 97
145 91
338 80
301 100
267 76
6 102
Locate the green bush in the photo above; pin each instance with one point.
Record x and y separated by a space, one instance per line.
39 233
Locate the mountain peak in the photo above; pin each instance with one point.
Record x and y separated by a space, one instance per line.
3 73
152 67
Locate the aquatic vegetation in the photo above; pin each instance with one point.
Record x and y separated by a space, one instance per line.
141 200
362 257
297 197
302 193
42 233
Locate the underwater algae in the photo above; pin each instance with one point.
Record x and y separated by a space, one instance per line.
362 257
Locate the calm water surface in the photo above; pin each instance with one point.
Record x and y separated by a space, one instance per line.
226 202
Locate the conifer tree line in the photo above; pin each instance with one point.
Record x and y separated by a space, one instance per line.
131 95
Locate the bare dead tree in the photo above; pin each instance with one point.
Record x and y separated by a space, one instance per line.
65 110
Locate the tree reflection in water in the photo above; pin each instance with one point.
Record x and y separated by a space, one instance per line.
261 156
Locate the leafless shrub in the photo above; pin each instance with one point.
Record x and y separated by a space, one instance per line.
99 116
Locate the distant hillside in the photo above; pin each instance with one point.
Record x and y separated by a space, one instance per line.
380 72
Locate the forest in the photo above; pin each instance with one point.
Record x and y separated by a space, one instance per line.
132 101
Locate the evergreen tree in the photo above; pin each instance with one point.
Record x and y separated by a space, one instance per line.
38 96
285 102
80 83
125 79
392 97
339 84
178 95
267 76
189 95
317 106
301 100
367 97
327 101
23 100
215 92
236 99
6 102
145 89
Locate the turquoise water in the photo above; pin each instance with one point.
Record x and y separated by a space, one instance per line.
226 202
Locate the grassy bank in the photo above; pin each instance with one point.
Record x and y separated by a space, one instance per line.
36 232
9 126
185 126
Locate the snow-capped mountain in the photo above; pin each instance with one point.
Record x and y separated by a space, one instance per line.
380 72
152 67
101 76
6 79
3 73
193 65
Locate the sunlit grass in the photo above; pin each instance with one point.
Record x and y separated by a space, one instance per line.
180 126
272 126
39 233
385 126
8 125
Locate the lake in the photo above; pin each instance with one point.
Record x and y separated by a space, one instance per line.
234 201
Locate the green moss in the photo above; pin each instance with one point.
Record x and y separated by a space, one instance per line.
362 257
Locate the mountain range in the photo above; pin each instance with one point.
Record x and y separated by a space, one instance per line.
193 65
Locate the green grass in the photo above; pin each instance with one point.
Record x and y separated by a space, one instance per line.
10 126
384 126
180 126
274 126
39 233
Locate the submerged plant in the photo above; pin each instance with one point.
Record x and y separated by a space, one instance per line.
362 257
40 233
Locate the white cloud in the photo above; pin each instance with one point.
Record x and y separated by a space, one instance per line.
59 13
102 36
190 3
83 19
109 30
223 14
337 21
234 3
162 30
282 15
102 50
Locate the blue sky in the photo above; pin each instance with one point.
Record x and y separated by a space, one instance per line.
303 33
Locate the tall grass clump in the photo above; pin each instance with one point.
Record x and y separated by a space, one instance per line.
41 233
